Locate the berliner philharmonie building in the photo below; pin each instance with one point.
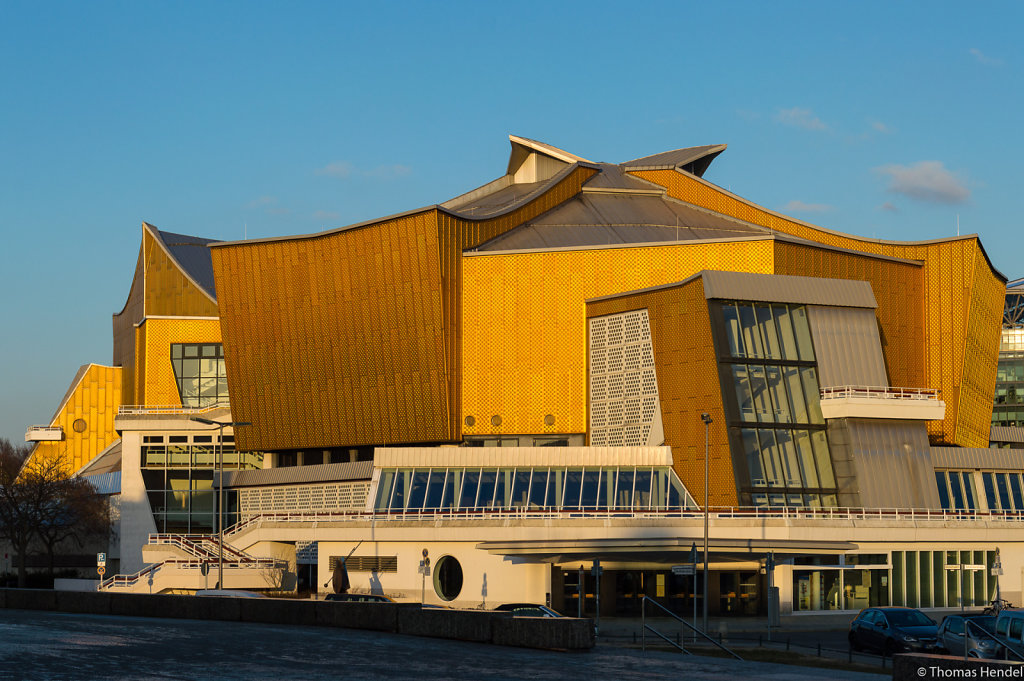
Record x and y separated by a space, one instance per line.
573 364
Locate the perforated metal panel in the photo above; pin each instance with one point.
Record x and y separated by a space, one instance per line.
623 385
341 496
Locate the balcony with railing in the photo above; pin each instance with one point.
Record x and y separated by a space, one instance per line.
882 402
44 434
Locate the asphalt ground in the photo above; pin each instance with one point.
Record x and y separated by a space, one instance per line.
48 646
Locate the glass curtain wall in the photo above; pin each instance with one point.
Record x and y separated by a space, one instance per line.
531 488
178 473
775 417
199 373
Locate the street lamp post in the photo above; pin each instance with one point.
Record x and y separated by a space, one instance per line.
220 488
706 418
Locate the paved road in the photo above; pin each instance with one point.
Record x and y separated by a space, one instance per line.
56 646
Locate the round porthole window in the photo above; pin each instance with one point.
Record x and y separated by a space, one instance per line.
448 578
495 420
470 421
549 420
79 425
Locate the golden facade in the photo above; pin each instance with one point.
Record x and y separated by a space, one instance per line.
354 337
962 298
86 418
524 323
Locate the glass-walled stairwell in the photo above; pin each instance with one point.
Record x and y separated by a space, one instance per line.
769 381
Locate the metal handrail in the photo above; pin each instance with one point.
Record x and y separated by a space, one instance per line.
128 580
901 515
137 409
197 545
646 627
880 392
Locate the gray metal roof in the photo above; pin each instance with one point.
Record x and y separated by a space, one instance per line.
1013 434
328 472
784 288
193 255
692 159
770 288
614 208
977 457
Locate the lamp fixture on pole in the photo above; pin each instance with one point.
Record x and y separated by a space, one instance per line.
220 488
706 418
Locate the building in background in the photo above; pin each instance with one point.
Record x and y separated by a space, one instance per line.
513 381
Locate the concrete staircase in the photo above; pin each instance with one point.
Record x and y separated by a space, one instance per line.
190 562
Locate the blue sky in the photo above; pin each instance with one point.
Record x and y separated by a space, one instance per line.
221 119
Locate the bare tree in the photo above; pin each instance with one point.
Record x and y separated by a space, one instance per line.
40 499
18 504
74 511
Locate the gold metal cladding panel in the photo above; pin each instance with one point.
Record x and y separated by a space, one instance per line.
983 330
124 332
93 405
168 291
953 277
688 384
898 289
456 235
524 323
336 339
158 384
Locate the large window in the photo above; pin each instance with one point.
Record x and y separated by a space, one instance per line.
776 425
199 373
178 473
622 488
956 490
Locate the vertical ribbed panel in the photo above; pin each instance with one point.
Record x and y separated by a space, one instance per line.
846 346
893 464
93 403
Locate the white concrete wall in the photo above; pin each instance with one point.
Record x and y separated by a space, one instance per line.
136 522
487 580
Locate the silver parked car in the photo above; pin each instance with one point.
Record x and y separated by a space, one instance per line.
973 631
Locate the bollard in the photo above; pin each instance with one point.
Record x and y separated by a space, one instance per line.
819 649
759 644
787 645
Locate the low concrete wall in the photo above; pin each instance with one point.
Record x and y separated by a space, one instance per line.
463 625
543 632
369 616
483 626
917 666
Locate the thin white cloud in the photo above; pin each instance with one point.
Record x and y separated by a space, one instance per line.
983 58
345 170
879 126
322 215
800 118
341 169
925 181
797 206
890 207
262 202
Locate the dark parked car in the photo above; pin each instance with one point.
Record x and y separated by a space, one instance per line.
358 598
893 630
528 610
975 631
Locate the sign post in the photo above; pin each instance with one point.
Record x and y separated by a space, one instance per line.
424 570
597 570
101 564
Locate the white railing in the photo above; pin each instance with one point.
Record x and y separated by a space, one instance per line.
123 581
199 545
896 515
45 429
142 409
880 392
